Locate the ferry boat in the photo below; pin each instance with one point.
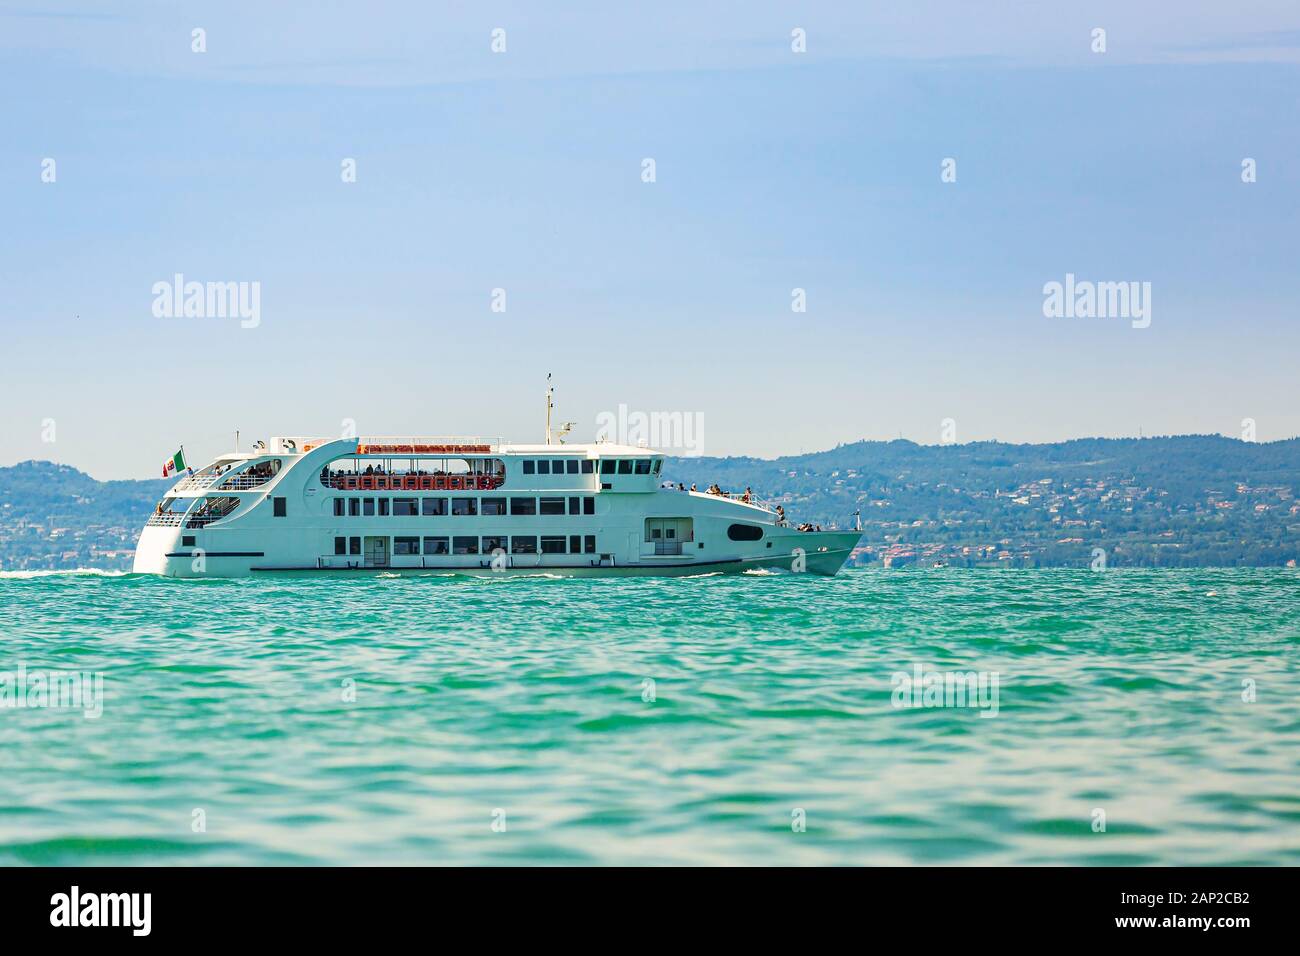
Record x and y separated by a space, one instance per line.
462 505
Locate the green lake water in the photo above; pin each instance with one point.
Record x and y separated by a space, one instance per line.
748 719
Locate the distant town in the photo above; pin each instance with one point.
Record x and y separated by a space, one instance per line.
1187 501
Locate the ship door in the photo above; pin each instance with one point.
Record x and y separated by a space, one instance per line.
377 552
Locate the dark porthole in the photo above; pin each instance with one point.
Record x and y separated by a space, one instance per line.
744 532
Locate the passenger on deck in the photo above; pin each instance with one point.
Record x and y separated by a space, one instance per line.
693 488
780 515
746 496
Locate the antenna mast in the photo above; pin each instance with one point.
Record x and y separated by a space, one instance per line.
550 393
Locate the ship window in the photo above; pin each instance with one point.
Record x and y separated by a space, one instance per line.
744 532
340 545
552 506
406 507
354 507
605 486
406 546
187 541
625 466
575 506
493 506
588 466
589 544
278 507
436 545
659 462
433 506
384 504
575 544
494 543
523 506
544 466
572 466
466 544
552 544
643 466
557 466
589 506
529 467
523 544
607 466
354 545
368 506
339 507
464 506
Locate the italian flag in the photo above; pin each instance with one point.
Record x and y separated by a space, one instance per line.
174 464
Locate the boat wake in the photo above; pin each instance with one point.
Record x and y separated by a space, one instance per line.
60 572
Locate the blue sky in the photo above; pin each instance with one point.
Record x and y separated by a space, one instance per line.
522 170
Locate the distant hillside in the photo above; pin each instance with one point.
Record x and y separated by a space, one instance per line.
1196 500
54 516
1188 500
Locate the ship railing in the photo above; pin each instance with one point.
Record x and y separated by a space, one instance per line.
405 481
165 519
244 481
196 482
751 499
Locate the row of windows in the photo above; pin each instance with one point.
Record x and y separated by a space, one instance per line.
558 466
608 466
473 544
434 507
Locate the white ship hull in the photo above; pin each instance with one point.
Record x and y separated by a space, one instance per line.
310 506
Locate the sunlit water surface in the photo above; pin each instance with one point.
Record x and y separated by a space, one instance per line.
747 719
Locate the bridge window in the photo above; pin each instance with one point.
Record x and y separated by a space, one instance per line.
607 466
745 532
544 466
588 466
529 466
643 466
572 466
625 466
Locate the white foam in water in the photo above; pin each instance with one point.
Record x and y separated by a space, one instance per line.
50 572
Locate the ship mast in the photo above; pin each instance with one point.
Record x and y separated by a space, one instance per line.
550 394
